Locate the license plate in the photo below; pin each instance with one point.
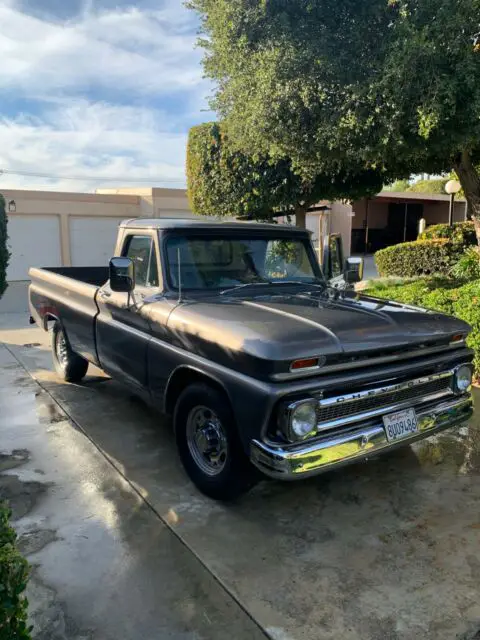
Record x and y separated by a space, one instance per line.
400 425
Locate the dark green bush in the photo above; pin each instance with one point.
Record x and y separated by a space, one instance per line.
422 257
13 581
4 253
461 232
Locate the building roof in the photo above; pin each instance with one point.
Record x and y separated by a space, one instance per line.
202 223
416 197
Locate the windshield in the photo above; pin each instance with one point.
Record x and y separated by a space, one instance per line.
219 262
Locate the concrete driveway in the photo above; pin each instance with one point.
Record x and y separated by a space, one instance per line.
124 547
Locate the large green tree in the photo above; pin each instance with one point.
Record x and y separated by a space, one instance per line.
224 181
4 253
390 83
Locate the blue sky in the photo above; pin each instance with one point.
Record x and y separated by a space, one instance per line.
102 88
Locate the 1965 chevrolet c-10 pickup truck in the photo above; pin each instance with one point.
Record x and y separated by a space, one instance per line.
266 361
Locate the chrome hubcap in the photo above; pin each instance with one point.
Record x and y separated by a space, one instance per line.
207 441
62 352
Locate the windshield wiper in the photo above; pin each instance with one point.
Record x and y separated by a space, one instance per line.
245 284
272 283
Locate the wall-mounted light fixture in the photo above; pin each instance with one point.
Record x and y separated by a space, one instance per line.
12 207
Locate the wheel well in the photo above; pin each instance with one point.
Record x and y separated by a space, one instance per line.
182 379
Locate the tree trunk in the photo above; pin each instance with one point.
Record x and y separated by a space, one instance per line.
470 181
301 216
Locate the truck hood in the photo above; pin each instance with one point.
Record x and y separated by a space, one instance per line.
289 326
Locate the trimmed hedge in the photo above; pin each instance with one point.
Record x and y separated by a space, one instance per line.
461 232
13 582
422 257
440 294
4 253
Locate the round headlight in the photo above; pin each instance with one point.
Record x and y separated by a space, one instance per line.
303 421
463 378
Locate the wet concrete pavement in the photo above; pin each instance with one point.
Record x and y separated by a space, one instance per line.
105 566
388 549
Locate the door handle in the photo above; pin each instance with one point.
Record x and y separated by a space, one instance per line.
105 294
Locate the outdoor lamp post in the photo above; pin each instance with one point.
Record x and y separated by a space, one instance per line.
452 187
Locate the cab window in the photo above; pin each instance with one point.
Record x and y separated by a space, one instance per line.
141 250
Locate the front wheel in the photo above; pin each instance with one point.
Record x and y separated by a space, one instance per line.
69 365
209 446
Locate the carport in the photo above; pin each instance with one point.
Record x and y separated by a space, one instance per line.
390 218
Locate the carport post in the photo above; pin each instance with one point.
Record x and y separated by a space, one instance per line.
405 223
367 206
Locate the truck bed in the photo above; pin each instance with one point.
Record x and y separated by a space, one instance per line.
69 295
96 276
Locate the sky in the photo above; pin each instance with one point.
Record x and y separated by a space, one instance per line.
102 89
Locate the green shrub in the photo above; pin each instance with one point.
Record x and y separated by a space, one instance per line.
13 581
461 232
4 253
468 266
444 295
422 257
414 292
466 306
441 300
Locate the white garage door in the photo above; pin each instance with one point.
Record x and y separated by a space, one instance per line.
92 240
34 241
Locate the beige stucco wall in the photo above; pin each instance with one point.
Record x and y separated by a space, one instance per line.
337 220
156 202
341 222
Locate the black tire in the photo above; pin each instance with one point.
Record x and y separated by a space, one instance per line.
69 365
237 475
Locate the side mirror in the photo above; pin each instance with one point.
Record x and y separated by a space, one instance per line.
122 275
333 263
353 270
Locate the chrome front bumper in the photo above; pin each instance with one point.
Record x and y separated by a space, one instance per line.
336 449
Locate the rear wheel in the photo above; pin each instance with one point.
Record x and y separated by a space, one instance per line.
69 365
209 446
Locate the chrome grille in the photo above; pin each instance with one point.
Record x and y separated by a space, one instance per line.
352 406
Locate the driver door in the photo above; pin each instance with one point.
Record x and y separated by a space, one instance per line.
123 328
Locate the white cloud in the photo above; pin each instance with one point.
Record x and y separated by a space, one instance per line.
87 91
92 140
124 49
